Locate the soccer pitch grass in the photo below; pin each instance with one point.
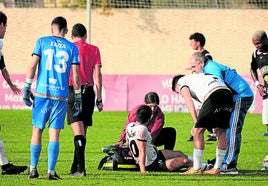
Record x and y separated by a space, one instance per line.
16 133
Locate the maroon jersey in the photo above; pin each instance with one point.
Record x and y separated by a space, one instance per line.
154 126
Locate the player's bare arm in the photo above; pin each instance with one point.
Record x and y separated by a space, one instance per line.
260 87
13 87
32 67
185 93
98 81
76 77
142 155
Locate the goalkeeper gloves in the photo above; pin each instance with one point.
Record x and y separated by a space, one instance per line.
27 94
77 103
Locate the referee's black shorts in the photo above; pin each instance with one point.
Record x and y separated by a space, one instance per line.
88 104
216 110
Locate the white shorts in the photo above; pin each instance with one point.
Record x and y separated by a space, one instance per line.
265 111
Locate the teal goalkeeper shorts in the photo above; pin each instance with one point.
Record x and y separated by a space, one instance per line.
48 110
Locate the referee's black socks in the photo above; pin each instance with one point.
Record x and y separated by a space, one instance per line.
79 144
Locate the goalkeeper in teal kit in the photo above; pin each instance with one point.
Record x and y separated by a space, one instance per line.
54 57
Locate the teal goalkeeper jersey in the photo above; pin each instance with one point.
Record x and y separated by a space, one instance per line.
239 87
56 57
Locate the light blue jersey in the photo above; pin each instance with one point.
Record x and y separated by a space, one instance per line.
234 81
56 57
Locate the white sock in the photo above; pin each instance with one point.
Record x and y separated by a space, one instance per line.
204 165
31 168
198 156
3 158
52 172
219 158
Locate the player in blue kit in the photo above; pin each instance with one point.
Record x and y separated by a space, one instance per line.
54 57
242 97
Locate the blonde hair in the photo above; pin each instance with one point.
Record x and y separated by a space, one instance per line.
260 34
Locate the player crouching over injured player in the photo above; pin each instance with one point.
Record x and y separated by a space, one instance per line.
217 102
145 153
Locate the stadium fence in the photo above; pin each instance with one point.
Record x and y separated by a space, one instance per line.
200 4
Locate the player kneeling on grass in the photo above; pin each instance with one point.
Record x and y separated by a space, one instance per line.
145 153
215 112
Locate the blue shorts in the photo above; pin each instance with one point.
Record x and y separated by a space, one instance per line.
48 110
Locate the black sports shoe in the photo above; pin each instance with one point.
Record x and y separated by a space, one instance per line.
191 138
12 169
211 138
83 173
211 163
33 174
53 177
229 169
74 169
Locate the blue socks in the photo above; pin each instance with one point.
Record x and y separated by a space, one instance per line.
53 153
35 154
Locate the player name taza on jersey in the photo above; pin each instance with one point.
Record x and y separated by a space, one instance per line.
57 44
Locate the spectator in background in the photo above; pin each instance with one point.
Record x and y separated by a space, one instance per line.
90 70
242 97
55 57
197 42
259 61
160 135
7 167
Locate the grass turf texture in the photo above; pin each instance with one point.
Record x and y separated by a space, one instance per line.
16 134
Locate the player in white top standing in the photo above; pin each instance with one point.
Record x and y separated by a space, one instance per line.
145 153
7 167
215 112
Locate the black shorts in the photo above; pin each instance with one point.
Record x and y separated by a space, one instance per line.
216 110
88 103
159 164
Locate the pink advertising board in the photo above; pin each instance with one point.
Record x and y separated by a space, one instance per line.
123 92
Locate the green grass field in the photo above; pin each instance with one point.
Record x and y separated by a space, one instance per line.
16 133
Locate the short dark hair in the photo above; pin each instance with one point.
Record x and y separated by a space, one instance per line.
3 18
143 114
175 81
198 37
79 30
151 97
61 22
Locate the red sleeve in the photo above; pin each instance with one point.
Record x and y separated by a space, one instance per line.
156 124
131 118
